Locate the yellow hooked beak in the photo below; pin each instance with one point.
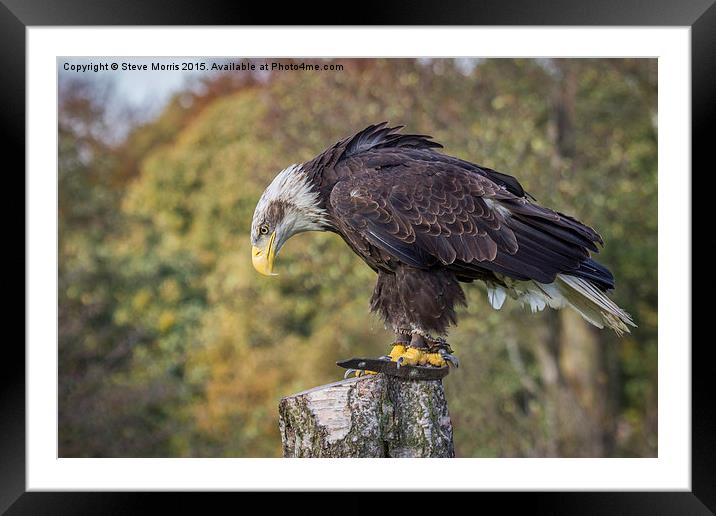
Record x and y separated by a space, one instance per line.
263 258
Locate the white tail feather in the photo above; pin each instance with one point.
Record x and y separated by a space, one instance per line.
593 304
577 293
496 295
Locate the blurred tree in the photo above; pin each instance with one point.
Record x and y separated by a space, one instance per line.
94 349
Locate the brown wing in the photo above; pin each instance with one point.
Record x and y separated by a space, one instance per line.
431 212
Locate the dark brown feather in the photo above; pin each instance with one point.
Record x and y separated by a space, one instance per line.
405 207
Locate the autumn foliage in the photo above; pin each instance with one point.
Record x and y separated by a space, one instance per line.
171 344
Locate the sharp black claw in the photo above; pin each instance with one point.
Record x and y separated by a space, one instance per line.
350 372
450 359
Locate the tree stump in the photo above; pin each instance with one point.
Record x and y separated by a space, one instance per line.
371 416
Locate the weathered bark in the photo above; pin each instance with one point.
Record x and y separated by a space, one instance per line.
371 416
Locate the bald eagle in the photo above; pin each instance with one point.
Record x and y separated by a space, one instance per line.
426 222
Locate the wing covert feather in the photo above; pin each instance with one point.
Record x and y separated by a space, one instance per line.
436 213
443 217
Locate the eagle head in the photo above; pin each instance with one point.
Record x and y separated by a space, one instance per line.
289 205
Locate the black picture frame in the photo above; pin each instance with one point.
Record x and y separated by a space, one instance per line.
17 15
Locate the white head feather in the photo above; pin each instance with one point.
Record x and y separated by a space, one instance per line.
301 208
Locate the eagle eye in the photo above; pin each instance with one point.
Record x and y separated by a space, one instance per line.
264 229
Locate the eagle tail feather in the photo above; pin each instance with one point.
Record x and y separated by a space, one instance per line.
580 294
593 304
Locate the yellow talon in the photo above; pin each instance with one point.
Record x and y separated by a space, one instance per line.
415 356
411 356
396 352
435 359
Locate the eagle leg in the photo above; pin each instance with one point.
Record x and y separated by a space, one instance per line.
445 351
423 351
402 341
415 349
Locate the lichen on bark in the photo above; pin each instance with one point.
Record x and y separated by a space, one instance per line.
371 416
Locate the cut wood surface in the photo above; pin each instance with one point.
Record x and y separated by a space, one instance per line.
370 416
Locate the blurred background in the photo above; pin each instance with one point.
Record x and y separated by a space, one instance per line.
171 345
